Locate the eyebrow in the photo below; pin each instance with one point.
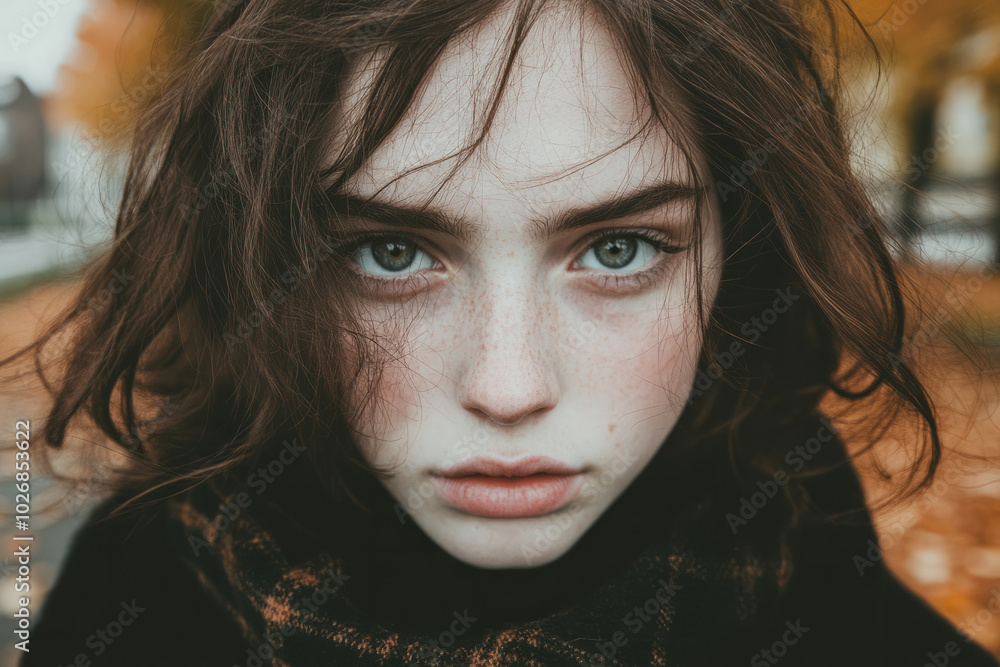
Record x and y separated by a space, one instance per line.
413 217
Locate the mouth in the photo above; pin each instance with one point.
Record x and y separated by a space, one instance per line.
499 490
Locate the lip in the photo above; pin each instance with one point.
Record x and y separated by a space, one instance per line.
509 490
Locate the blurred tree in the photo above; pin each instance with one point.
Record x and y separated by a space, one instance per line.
123 46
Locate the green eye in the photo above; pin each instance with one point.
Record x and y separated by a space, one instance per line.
388 255
617 252
615 249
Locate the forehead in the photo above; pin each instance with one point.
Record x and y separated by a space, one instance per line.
570 125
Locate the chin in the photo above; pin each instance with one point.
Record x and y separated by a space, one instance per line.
496 544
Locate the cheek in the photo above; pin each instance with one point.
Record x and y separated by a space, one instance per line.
636 386
386 406
644 378
380 395
381 406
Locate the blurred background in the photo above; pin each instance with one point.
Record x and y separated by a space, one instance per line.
926 131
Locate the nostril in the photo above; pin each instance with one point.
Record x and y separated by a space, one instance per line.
510 416
505 419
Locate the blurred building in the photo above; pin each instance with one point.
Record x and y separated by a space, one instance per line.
926 124
23 154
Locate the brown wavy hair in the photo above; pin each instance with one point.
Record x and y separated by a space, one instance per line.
239 314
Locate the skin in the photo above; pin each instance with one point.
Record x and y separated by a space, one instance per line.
512 344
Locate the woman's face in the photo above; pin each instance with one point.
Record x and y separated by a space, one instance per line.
537 367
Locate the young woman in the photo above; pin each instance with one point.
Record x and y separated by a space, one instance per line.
490 333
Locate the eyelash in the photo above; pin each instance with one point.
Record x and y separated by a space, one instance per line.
608 279
633 279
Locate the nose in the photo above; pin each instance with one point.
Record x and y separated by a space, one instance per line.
510 373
